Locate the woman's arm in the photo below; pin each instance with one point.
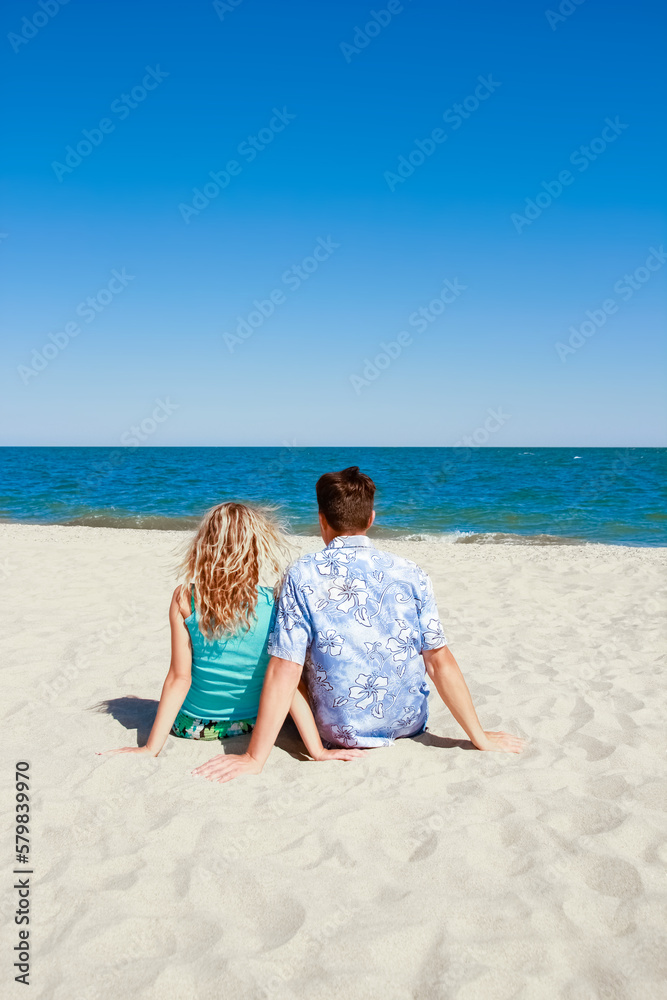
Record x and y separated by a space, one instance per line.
304 719
176 685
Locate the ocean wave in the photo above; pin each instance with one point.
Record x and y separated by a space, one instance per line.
478 538
146 522
488 496
504 538
444 537
155 522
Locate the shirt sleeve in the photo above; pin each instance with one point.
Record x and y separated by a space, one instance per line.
292 630
430 627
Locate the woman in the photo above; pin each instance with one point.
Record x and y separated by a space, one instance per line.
220 621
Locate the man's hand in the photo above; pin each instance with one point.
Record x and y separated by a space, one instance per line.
227 767
446 674
501 742
341 754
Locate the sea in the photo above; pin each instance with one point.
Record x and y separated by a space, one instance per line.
539 496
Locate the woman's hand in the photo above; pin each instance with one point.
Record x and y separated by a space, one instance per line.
102 753
341 754
501 742
226 767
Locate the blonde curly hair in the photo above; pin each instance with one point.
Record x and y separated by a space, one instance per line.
235 545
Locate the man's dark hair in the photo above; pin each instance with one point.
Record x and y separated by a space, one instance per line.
346 499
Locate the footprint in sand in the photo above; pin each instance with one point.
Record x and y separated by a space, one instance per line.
611 877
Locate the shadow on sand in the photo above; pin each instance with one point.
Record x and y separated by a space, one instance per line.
444 742
139 713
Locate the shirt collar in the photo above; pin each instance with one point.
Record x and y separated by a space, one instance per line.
347 541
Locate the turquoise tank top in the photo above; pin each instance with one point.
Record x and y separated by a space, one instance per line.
228 673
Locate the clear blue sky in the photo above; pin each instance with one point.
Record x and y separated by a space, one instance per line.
329 173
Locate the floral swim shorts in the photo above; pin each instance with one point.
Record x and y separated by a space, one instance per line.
209 729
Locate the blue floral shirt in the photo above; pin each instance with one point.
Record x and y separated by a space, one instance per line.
358 620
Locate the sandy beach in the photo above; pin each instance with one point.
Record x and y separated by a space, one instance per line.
427 870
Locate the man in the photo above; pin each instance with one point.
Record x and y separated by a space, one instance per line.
364 624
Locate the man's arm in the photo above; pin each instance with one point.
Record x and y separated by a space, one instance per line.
280 695
280 683
446 674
